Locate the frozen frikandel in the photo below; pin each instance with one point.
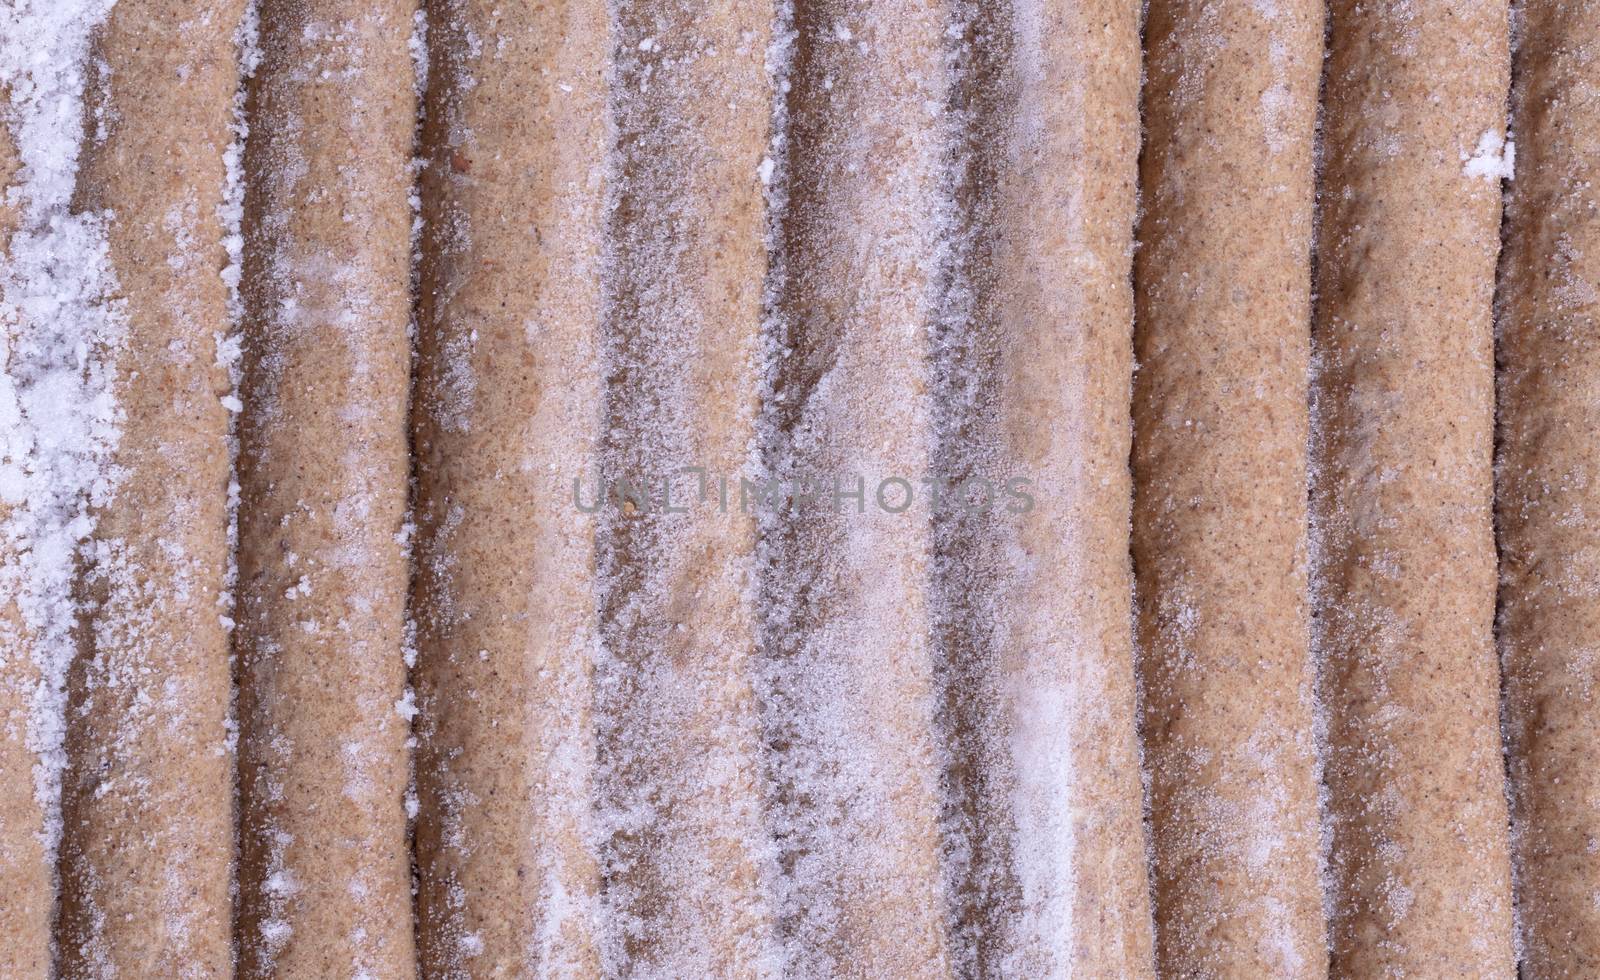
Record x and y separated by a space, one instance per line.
799 488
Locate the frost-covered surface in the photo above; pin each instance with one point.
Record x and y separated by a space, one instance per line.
59 329
1402 411
322 466
1494 158
1043 844
514 138
1222 277
846 675
806 747
230 345
678 786
1548 494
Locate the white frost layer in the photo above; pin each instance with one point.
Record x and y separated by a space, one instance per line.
59 326
1494 159
230 345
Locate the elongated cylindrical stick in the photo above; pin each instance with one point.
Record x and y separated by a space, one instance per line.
848 691
684 846
1219 462
1047 858
507 417
1549 487
1068 659
1403 560
147 803
26 872
61 327
325 870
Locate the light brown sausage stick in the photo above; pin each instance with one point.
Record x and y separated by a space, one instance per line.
1047 861
848 691
148 797
507 416
1219 518
27 876
325 877
683 842
1403 549
1073 622
1549 486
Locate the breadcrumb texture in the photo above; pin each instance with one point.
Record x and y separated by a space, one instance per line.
496 489
1547 491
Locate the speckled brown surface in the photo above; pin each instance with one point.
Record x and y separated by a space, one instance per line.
1053 732
691 893
504 595
1221 701
145 862
26 877
847 650
1548 484
324 867
1403 556
1219 500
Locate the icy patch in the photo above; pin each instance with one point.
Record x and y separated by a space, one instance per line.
1494 159
59 327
